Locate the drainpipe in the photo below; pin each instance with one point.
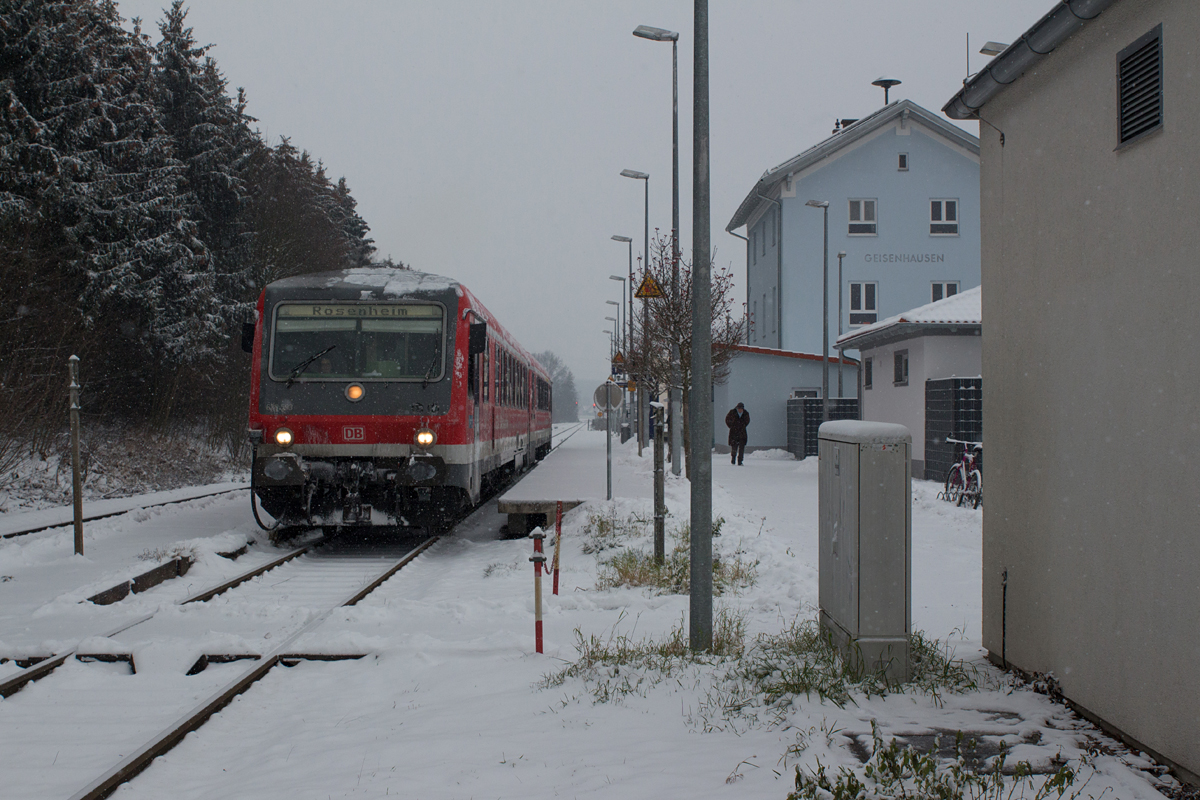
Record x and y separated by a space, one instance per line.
746 239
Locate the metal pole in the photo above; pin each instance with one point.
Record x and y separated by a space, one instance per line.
825 325
608 427
644 379
644 405
76 481
676 394
538 558
629 316
700 600
841 353
660 506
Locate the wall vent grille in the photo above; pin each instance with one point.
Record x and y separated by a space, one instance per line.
1140 87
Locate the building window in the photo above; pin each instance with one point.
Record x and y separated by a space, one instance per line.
774 309
902 162
864 308
753 247
901 368
862 218
1140 87
942 289
754 321
943 217
866 373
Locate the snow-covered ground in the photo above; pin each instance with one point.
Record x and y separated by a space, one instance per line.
450 702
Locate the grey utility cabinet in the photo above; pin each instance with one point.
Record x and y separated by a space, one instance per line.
865 490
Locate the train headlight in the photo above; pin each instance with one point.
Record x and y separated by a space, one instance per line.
354 392
425 438
283 437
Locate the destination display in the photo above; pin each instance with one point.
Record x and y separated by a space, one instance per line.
357 310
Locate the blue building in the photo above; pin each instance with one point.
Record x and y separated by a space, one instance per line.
903 193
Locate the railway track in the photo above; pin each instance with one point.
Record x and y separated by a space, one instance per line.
45 526
72 732
48 736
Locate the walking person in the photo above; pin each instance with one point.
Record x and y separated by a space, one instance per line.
736 420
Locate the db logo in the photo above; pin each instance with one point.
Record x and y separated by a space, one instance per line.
354 433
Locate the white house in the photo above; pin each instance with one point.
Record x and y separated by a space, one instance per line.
921 369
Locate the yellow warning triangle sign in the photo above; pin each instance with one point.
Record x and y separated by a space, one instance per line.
648 288
618 358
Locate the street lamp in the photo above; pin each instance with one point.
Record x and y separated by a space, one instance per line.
642 405
841 353
629 312
625 328
824 206
663 35
610 341
620 327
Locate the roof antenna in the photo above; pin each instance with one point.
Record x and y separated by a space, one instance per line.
886 83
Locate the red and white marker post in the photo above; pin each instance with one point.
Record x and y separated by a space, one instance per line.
557 540
538 558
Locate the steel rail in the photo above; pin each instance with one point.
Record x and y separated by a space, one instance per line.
93 517
45 667
137 761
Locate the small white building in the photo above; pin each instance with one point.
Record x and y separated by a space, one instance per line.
764 378
922 369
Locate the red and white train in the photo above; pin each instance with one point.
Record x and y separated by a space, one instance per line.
386 397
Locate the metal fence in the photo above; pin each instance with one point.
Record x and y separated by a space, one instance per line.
953 410
804 417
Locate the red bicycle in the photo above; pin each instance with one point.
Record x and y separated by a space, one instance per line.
964 481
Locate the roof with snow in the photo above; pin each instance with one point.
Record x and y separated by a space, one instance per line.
959 315
844 138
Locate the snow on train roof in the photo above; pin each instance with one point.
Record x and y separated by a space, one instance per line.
390 281
395 281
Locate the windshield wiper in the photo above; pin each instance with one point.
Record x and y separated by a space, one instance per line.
429 372
303 365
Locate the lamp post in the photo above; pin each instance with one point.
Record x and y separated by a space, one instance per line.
620 327
628 315
824 206
610 341
642 405
701 412
662 35
629 312
841 353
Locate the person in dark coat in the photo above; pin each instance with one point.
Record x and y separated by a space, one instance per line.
736 420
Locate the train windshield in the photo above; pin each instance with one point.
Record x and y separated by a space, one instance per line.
358 342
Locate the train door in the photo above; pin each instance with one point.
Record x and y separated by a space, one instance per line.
529 410
490 433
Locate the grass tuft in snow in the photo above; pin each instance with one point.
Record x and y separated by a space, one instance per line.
607 531
637 568
619 665
802 660
896 771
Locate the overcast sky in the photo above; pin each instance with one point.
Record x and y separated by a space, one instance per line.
483 140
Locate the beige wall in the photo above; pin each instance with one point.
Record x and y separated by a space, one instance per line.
1091 363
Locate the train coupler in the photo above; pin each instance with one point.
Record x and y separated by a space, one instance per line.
356 513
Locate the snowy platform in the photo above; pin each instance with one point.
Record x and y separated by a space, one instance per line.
573 473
